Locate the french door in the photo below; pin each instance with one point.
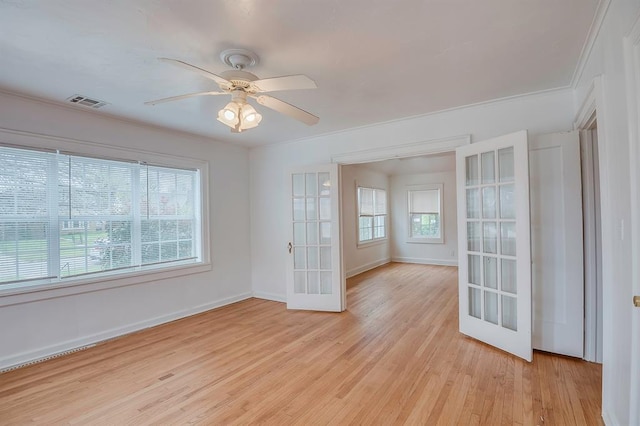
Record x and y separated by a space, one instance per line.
494 266
314 272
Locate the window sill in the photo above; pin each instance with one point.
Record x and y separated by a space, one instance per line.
425 241
69 287
377 242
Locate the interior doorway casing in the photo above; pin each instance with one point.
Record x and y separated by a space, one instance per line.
585 120
428 147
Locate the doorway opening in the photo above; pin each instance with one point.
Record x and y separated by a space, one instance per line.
415 222
395 170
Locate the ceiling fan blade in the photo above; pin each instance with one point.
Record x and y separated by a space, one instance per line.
287 109
223 82
287 82
177 98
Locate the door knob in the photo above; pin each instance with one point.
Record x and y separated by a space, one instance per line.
290 247
636 301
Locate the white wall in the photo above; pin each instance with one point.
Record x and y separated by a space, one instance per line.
38 328
541 113
367 256
607 59
427 253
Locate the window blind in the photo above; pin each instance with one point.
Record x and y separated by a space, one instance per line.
426 201
24 214
365 198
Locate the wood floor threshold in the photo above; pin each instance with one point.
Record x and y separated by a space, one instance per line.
394 357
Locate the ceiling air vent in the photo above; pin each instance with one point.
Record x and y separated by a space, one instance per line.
88 102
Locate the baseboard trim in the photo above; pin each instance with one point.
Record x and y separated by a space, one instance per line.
608 419
274 297
30 357
423 261
366 267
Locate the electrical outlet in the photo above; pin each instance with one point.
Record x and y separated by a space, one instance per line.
453 253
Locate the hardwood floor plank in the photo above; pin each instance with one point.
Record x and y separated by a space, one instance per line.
395 357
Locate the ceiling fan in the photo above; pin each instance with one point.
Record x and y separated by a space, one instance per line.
238 114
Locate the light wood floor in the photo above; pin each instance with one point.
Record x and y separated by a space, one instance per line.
395 357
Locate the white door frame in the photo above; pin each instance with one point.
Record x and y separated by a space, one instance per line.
632 65
584 120
416 149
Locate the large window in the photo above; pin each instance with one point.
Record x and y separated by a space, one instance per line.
65 215
425 214
372 214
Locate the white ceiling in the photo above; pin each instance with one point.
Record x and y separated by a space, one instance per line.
373 60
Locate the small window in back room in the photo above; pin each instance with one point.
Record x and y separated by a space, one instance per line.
372 214
425 214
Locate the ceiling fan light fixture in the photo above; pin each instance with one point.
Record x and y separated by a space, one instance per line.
229 115
249 117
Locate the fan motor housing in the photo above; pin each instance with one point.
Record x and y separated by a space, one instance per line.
239 78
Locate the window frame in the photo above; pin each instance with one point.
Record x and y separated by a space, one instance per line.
32 290
372 240
426 187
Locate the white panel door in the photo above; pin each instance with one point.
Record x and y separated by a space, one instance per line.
494 265
556 243
314 276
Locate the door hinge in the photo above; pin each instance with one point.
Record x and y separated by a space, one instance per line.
636 301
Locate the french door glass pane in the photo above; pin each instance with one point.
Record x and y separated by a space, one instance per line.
507 202
298 209
508 238
325 209
311 184
325 233
324 184
488 167
505 163
509 313
325 282
489 202
299 237
474 269
312 257
299 258
298 184
475 309
508 275
491 307
325 258
473 203
473 236
312 213
312 233
489 237
491 272
472 170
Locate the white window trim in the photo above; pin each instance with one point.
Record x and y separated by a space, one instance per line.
373 241
39 290
426 187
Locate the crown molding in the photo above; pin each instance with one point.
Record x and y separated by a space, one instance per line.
592 35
